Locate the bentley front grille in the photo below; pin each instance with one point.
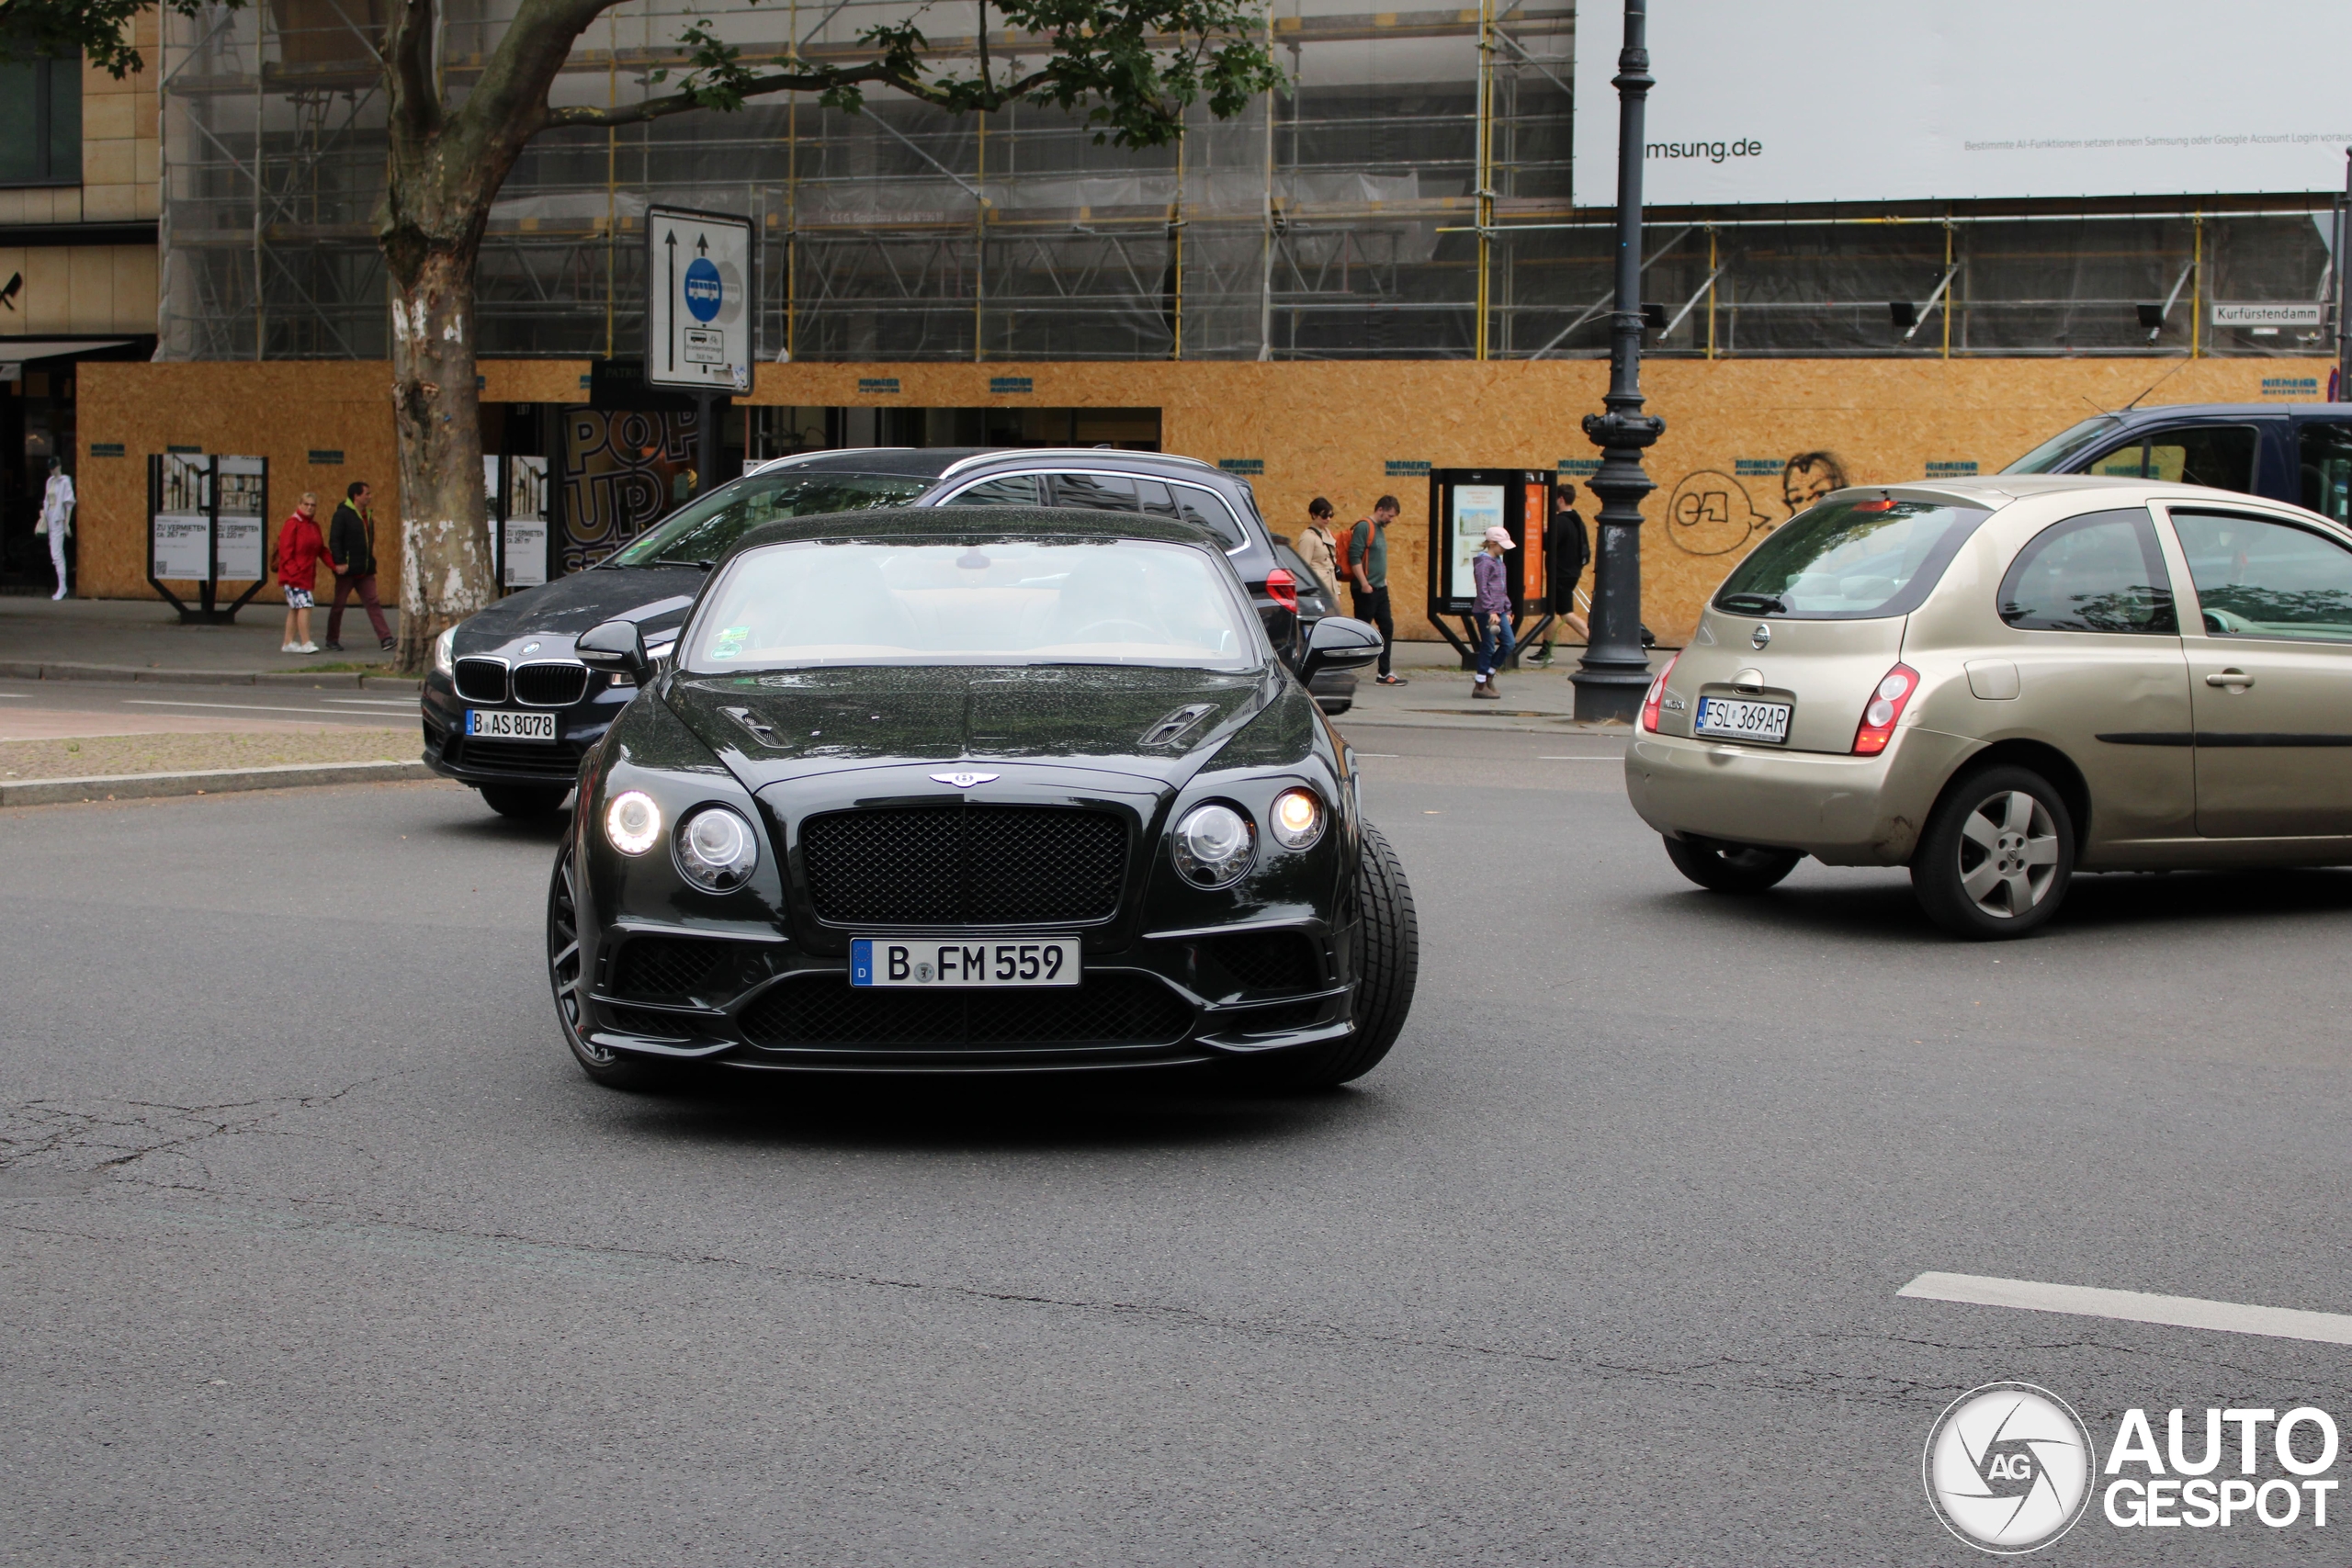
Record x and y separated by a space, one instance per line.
964 865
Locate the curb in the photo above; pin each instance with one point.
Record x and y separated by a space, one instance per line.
27 670
217 781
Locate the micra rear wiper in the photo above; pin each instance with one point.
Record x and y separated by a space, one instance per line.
1758 603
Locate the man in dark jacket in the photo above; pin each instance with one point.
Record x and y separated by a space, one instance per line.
351 549
1569 548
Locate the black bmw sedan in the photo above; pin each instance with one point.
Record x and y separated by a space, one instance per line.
963 789
508 709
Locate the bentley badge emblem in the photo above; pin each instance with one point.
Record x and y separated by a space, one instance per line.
963 780
1760 636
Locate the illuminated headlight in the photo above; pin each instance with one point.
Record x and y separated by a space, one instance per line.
717 849
632 822
1213 845
445 652
1297 819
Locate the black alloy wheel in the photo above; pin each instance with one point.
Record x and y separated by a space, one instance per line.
525 803
1997 854
1731 868
607 1068
1388 963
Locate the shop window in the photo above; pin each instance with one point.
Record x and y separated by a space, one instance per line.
41 121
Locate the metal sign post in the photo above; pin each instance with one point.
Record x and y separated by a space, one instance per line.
699 317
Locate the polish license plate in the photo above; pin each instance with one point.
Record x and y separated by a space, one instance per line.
500 724
1735 718
959 965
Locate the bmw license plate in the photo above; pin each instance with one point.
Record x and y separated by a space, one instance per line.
929 961
1735 718
500 724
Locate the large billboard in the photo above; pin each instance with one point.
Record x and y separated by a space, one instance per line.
1863 100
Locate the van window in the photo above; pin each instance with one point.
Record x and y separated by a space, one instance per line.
1850 559
2057 455
2100 572
2220 455
2327 461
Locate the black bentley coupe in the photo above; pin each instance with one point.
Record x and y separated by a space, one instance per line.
965 789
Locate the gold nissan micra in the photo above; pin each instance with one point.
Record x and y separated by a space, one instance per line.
1998 682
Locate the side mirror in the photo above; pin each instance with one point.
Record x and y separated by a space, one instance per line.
617 648
1338 642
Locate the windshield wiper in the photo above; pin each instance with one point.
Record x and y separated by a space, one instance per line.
675 561
1760 603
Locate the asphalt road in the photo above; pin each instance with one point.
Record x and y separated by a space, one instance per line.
37 709
317 1249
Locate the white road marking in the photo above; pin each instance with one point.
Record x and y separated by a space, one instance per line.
373 701
1618 758
241 708
2133 1306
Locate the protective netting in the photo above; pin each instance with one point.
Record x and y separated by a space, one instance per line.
1340 219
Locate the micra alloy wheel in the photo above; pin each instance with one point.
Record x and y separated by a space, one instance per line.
607 1068
1388 947
1996 856
1730 868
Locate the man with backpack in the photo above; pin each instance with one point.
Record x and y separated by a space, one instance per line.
1367 569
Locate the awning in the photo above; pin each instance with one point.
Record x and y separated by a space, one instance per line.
14 351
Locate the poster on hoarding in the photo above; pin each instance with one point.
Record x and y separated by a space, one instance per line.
241 489
1869 100
1474 509
179 537
522 554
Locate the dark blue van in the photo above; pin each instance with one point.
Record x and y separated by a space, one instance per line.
2299 453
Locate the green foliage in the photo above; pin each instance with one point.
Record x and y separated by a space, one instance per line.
1132 67
98 29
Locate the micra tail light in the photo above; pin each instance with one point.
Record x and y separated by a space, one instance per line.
1885 710
1656 695
1283 589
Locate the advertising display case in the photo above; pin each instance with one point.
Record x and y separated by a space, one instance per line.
1464 503
208 523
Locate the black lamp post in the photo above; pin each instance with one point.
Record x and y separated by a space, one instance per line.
1615 671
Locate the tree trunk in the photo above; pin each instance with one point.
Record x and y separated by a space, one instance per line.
447 567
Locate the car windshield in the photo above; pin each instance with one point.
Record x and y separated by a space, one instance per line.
985 600
2053 455
701 531
1850 559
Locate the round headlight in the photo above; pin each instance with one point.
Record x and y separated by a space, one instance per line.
445 652
1297 819
1212 844
632 822
717 849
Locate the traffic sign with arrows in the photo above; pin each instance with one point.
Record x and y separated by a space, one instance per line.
698 315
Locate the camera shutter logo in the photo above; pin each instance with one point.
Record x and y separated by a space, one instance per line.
2008 1468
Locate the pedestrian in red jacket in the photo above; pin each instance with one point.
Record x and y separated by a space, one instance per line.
300 547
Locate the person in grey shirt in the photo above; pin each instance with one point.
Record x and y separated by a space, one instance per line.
1492 607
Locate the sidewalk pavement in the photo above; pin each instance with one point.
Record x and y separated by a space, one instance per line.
127 638
1437 694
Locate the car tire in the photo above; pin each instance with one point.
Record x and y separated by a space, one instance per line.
1996 856
1731 868
525 803
609 1069
1388 966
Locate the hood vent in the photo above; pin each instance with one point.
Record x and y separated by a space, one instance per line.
1169 730
761 729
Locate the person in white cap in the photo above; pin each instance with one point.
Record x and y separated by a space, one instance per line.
1492 607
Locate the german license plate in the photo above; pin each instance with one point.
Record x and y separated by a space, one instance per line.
967 965
500 724
1735 718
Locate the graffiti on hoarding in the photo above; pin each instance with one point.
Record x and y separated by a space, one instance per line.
1711 512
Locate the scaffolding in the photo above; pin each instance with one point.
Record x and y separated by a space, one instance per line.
1407 196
